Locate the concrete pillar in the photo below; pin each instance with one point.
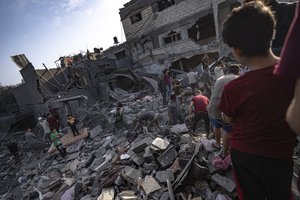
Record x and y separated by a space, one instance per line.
216 18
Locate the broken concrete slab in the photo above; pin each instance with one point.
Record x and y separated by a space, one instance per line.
179 128
131 175
139 160
224 182
95 131
167 157
163 176
107 194
128 195
141 145
73 165
160 143
148 156
150 185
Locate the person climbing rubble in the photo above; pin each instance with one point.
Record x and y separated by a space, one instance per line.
33 142
45 126
198 107
174 111
72 122
55 138
119 117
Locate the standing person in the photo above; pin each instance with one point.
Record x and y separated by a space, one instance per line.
119 117
192 78
72 122
168 82
33 142
206 79
289 65
214 112
163 90
262 144
174 110
198 107
55 138
45 126
52 121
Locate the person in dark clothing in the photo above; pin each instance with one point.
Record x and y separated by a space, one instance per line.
52 121
72 122
119 117
14 150
163 89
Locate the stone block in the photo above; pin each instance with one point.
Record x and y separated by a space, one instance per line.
141 145
136 158
167 157
73 165
163 176
148 156
131 175
103 166
95 131
224 182
107 194
150 185
160 143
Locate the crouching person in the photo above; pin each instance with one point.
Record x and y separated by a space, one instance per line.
55 138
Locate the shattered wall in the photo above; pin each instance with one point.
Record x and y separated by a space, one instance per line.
27 93
180 31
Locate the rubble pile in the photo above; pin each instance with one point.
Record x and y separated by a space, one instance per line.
161 163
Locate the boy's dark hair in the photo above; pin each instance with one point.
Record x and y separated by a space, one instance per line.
250 29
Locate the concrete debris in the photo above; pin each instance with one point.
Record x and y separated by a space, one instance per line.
123 160
167 158
107 194
131 175
160 143
150 185
225 182
179 128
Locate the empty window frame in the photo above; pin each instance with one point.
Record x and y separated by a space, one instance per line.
163 4
204 28
172 37
120 55
136 18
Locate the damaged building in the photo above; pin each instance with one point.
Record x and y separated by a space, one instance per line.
174 33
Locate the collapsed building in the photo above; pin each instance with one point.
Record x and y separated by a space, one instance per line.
174 33
108 162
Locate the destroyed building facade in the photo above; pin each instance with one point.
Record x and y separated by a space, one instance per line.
174 33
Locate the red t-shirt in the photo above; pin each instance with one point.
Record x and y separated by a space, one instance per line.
258 102
200 103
